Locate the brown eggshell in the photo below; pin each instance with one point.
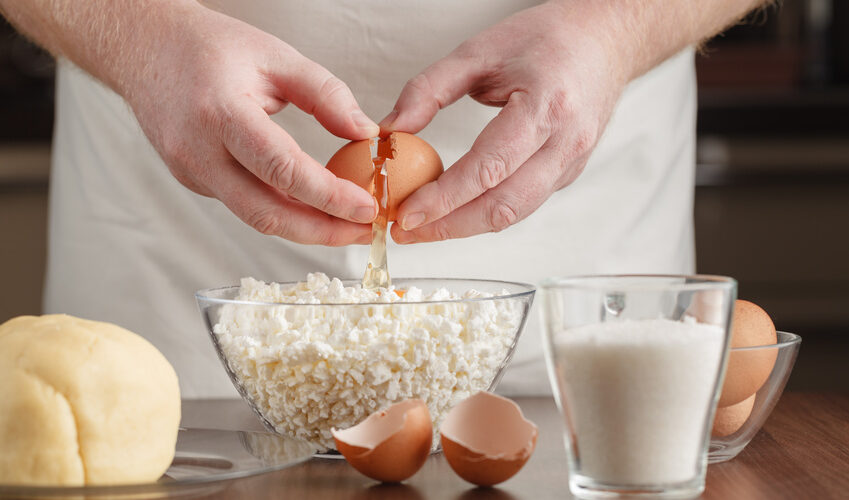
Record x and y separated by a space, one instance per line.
486 439
353 162
411 163
748 369
389 445
728 420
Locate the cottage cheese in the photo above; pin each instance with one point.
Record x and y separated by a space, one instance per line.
309 369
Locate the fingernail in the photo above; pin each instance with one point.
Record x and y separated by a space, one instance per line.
403 238
413 221
389 120
363 121
365 213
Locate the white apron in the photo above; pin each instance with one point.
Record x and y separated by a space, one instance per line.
130 245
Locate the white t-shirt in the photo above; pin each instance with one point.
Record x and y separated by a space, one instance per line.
130 245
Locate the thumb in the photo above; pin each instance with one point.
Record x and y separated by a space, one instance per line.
441 84
316 91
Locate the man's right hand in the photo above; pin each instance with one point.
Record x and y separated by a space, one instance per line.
202 86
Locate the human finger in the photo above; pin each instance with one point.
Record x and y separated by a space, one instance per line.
272 212
439 85
505 143
269 153
497 209
316 91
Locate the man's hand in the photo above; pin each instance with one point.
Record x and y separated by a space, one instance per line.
557 71
202 86
205 107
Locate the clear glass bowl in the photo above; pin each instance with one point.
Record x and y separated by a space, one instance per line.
306 368
786 348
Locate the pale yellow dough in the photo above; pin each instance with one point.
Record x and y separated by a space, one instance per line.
83 403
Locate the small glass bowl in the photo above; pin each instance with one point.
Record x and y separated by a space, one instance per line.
283 394
786 348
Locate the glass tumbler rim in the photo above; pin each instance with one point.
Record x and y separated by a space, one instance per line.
639 282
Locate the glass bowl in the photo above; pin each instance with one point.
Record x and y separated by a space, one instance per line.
723 448
307 368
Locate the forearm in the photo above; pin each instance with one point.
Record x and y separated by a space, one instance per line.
112 40
644 33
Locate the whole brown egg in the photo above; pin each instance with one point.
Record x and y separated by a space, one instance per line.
730 419
748 369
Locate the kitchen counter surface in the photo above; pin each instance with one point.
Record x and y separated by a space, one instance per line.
802 452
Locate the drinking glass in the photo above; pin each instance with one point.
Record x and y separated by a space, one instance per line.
636 365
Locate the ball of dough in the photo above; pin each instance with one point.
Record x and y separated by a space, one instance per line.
83 403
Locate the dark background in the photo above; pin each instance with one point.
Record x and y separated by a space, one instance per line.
772 195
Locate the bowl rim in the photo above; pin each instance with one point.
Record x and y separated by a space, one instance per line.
792 339
529 290
648 282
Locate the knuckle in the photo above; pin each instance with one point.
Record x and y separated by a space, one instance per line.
501 215
330 92
570 173
330 202
445 203
421 84
329 238
330 88
492 170
441 231
583 142
557 110
560 106
475 53
267 222
212 115
445 198
281 172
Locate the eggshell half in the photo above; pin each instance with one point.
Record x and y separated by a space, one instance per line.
486 439
410 164
389 445
748 369
728 420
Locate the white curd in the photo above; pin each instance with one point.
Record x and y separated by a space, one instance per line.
309 369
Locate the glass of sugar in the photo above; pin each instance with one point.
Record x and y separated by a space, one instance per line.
636 366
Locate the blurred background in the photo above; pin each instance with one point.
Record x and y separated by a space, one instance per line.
772 195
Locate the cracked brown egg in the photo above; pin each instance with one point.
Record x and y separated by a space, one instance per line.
410 163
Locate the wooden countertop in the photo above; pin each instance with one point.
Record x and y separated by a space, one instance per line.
802 452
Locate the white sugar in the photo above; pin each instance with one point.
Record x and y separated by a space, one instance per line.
638 393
